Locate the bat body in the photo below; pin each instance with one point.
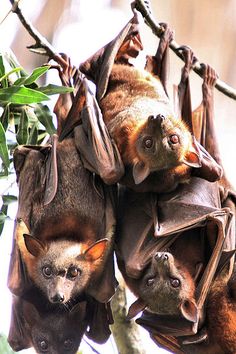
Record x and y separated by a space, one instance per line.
70 237
149 137
221 321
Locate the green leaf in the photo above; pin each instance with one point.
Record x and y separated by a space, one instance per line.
5 117
22 134
2 67
3 147
4 346
33 137
19 81
2 217
2 71
21 95
54 89
15 70
8 199
44 116
36 74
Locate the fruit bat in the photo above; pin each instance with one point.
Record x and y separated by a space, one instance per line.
212 259
156 147
56 328
65 219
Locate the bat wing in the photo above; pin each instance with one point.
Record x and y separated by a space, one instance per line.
18 281
166 324
125 45
99 320
27 159
149 223
18 336
98 151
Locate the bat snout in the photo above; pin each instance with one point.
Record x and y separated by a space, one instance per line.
58 298
162 256
156 121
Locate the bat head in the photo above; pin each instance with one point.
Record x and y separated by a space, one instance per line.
63 269
161 143
56 332
166 288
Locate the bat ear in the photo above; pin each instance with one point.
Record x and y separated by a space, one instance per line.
34 246
189 310
138 306
140 172
193 156
96 250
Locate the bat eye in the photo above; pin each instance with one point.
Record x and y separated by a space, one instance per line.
68 343
175 282
148 142
47 271
73 272
150 281
43 345
174 139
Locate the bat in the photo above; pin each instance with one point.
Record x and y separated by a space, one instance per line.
61 262
55 328
156 147
65 246
213 336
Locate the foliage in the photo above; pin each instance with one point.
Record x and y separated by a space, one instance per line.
24 117
4 346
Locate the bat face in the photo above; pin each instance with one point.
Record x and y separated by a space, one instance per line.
167 288
57 334
162 142
63 269
48 328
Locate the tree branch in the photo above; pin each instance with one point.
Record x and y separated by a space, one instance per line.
125 332
41 46
142 7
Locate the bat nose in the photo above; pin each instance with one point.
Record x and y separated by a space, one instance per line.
161 256
156 121
57 298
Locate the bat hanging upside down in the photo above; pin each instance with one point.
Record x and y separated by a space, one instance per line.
140 119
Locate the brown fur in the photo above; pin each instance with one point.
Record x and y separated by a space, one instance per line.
221 314
132 97
160 296
73 220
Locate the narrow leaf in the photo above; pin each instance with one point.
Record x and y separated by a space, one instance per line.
22 134
3 147
5 117
36 74
2 67
15 70
33 137
19 81
54 89
21 95
2 71
3 217
8 199
44 116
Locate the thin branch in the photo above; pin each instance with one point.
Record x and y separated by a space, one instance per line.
143 8
41 46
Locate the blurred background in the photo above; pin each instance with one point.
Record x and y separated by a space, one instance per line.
80 27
